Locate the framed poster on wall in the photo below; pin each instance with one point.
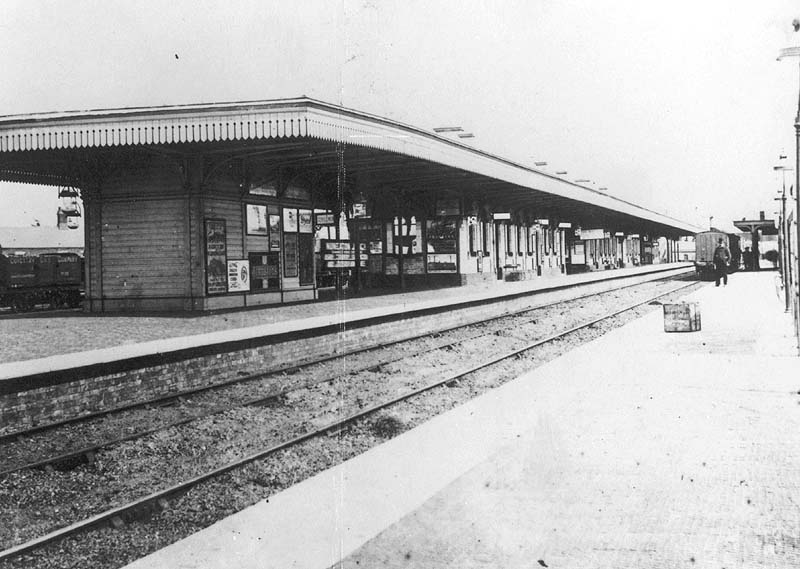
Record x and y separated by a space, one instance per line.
274 232
256 219
305 221
289 220
216 257
239 275
290 254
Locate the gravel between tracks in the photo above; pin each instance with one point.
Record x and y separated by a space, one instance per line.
218 439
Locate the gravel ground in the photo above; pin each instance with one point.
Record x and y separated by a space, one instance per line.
36 501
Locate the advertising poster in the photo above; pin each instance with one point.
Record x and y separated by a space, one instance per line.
238 276
306 221
256 219
289 220
216 257
275 232
290 254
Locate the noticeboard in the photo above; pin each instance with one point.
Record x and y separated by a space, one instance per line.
341 254
216 257
264 274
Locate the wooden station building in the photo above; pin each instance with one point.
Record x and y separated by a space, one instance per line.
203 207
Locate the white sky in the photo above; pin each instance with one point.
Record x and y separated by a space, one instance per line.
678 106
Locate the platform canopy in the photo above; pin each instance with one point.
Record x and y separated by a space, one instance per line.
53 148
765 226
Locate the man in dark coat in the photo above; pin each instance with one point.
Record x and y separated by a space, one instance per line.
747 257
722 256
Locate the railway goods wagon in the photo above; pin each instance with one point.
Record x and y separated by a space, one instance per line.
706 242
55 279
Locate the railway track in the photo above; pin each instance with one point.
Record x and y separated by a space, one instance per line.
62 457
159 500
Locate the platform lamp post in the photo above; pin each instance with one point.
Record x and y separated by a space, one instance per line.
784 236
794 52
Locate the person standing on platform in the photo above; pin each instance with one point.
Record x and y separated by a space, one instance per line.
747 257
722 256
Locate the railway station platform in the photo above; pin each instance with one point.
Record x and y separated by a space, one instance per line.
43 341
639 449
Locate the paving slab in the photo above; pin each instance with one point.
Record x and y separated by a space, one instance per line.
640 449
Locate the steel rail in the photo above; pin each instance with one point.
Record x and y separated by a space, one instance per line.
161 401
160 498
87 452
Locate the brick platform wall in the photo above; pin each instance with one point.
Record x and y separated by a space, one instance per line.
100 391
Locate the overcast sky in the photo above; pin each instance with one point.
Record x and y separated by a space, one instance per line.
677 106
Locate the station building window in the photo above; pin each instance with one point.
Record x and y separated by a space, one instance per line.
298 245
370 233
441 238
405 234
370 238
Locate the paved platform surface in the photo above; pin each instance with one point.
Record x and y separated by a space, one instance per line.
641 449
41 335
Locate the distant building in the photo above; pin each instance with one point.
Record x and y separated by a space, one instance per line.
38 240
686 248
